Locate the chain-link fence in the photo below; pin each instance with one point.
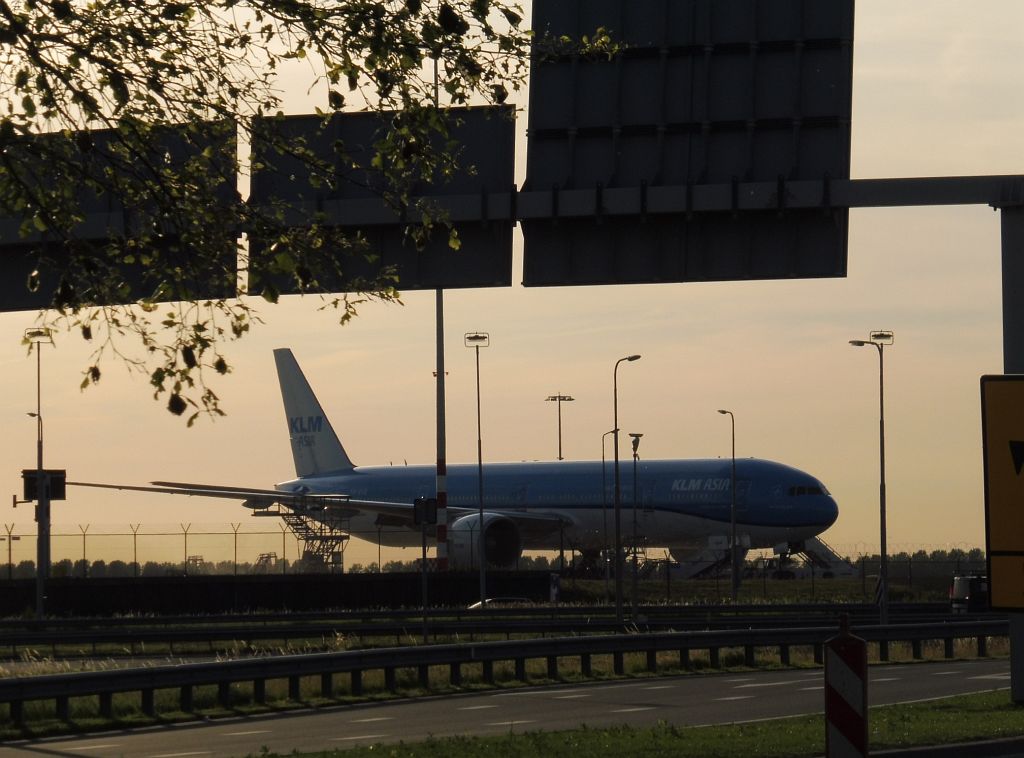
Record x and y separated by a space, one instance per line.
274 546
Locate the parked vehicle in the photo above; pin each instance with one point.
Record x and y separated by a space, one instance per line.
968 594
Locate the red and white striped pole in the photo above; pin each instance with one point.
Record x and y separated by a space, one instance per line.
846 694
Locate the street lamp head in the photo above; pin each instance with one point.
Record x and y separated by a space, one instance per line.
636 440
723 412
632 357
477 339
878 338
38 334
33 414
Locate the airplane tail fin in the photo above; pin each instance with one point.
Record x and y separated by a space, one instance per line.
315 446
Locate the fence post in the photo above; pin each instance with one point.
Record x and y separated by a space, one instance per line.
224 694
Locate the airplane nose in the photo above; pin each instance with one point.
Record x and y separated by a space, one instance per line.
829 511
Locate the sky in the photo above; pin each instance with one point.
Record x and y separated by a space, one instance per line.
937 92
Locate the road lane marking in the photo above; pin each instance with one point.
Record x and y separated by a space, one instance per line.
991 676
661 687
634 710
246 733
812 689
534 692
885 679
376 718
748 679
943 673
360 737
182 755
93 747
767 684
475 707
735 697
509 723
571 697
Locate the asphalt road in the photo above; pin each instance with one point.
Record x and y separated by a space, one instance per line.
681 700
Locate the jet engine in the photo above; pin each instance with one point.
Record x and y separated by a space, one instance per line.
502 544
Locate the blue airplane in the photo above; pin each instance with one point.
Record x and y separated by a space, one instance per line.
680 505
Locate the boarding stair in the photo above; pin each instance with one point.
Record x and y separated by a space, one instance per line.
321 540
707 562
825 560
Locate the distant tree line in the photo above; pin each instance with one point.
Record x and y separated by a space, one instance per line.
120 569
975 554
953 560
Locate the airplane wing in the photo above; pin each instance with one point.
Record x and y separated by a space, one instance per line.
310 503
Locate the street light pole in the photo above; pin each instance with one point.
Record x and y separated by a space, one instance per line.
36 337
636 556
559 398
734 569
604 516
477 340
879 339
618 487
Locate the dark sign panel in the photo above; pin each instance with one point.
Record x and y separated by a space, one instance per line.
348 195
1002 429
123 220
696 93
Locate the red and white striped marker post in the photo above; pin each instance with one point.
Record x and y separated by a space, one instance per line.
846 694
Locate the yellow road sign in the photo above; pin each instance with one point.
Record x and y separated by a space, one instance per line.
1002 411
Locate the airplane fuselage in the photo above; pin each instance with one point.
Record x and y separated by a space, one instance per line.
672 504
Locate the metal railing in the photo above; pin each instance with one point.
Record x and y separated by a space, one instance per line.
132 634
104 684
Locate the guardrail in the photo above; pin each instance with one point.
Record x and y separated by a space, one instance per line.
855 610
104 684
135 634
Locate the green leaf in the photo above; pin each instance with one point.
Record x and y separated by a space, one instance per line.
176 404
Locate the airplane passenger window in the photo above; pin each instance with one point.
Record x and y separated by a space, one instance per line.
812 489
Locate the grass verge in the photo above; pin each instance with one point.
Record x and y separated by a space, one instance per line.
966 718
